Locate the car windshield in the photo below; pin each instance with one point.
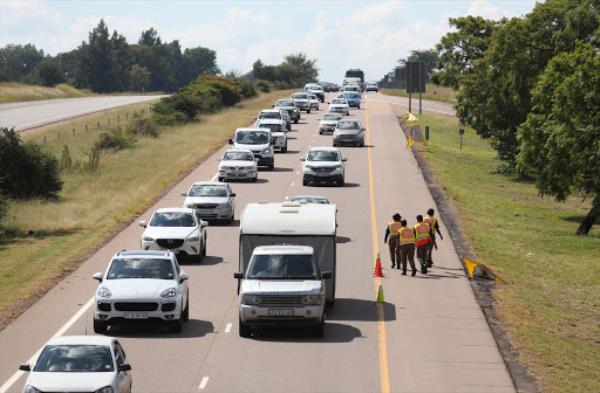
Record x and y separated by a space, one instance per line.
238 156
209 190
270 115
348 125
339 101
323 155
272 127
252 138
75 359
312 97
351 95
172 219
332 116
310 199
282 267
122 268
285 103
300 96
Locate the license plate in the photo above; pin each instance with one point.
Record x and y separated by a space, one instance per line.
136 315
281 312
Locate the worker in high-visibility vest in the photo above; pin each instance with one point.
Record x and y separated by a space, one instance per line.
391 238
435 227
423 237
407 239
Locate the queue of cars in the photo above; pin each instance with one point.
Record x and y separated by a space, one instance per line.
287 264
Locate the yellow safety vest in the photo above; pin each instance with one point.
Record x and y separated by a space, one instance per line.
407 236
394 226
432 221
422 230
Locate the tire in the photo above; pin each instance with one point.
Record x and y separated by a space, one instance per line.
296 121
319 330
220 179
254 179
308 111
100 327
284 149
271 167
176 326
305 182
358 107
362 144
244 329
340 182
185 315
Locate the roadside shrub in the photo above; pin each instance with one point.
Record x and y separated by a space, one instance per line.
26 170
65 159
116 139
228 90
141 126
3 207
247 88
94 157
178 108
264 86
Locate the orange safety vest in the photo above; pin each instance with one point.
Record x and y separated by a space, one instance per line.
394 226
422 230
432 221
407 236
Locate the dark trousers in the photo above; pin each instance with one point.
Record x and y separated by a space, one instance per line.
407 252
393 245
430 250
422 253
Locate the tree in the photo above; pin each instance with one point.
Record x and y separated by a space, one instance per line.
560 141
48 72
196 62
139 77
95 60
120 62
17 61
428 56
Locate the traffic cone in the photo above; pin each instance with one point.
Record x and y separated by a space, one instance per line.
380 298
378 271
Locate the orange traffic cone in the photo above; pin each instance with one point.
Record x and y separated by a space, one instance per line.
378 271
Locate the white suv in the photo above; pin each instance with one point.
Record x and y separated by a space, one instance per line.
142 286
212 200
282 285
323 165
176 229
278 132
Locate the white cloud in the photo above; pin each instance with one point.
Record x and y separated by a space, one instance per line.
488 10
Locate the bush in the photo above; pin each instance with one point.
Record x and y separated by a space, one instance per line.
27 170
116 139
247 88
264 86
141 126
3 207
227 90
178 108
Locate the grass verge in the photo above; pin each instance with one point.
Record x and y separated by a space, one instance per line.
44 240
551 300
18 92
433 93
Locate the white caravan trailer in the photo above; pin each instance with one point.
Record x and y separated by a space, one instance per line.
291 223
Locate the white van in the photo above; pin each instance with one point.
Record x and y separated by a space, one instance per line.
291 223
259 141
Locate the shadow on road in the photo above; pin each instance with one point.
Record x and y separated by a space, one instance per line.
351 185
342 239
192 328
292 152
334 333
349 309
280 169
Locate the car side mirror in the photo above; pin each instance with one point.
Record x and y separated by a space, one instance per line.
256 159
25 367
142 224
363 129
184 194
203 223
230 141
124 367
238 275
183 277
344 159
326 275
97 276
302 159
233 194
273 106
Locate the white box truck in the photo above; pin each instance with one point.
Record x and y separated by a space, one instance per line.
291 223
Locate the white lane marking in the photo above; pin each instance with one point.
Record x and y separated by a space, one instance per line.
15 377
297 172
214 177
203 383
287 197
293 184
228 328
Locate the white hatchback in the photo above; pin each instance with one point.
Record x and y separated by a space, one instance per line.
238 165
323 165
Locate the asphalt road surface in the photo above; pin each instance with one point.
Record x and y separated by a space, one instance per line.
26 115
431 338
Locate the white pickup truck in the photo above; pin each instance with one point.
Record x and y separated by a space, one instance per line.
282 285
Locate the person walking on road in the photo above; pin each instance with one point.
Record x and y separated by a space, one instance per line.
435 227
407 239
422 240
391 238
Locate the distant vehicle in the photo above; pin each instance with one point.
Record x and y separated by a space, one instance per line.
278 132
79 363
315 89
176 229
349 132
372 86
302 101
339 105
356 73
310 199
323 165
287 118
328 122
282 284
314 101
278 114
353 98
238 165
212 200
352 88
259 141
142 286
290 107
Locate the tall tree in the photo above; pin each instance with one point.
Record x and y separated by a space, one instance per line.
95 60
48 72
139 78
17 61
196 62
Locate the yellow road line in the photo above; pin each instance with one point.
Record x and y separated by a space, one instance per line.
384 376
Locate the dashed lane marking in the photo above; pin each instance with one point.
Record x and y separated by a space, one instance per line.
228 328
203 383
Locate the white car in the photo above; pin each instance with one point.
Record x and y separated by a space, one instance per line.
315 89
275 114
176 229
79 364
339 105
314 101
258 141
238 165
278 132
323 165
212 200
302 101
328 122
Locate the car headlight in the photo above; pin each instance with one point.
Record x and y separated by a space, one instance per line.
312 299
167 293
224 205
251 299
30 389
308 168
147 239
104 292
106 389
266 151
193 239
337 167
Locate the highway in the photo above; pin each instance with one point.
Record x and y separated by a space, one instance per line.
432 337
26 115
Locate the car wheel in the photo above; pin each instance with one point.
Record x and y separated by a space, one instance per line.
220 179
362 144
340 181
319 330
358 107
100 327
284 149
305 182
296 121
176 326
308 111
244 329
185 315
271 167
254 179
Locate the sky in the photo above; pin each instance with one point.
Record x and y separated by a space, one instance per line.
371 35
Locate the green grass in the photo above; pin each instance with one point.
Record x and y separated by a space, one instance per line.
94 204
433 93
551 301
17 92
